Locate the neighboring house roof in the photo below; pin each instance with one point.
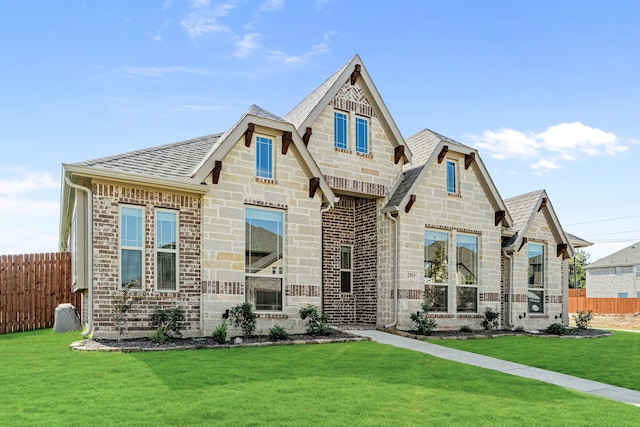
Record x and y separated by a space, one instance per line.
306 112
624 257
523 209
426 145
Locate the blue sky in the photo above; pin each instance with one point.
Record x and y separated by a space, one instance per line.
548 91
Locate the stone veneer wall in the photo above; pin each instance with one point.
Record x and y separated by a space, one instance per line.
107 197
351 222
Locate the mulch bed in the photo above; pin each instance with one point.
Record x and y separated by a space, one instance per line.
145 344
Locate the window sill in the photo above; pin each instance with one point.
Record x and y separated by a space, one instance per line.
342 150
266 180
365 155
537 316
440 315
456 195
469 316
271 315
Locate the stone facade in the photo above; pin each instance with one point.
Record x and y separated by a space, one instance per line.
107 198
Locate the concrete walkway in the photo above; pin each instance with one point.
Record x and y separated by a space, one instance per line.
587 386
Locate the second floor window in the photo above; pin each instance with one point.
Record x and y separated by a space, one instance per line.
451 177
362 135
340 130
264 157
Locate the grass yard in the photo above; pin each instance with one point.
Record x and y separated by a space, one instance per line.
363 383
613 360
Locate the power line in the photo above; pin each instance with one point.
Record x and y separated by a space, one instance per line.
603 220
616 232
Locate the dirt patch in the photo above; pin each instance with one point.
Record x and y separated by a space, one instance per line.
629 322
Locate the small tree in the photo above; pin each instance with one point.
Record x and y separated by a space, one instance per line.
583 319
124 303
242 315
577 273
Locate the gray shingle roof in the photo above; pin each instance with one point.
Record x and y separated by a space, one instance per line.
301 111
627 256
261 112
176 160
424 142
408 178
521 209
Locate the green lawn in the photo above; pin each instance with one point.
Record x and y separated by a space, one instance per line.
613 360
42 382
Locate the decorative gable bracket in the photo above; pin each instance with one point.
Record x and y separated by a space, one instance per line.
543 204
216 171
314 184
468 159
412 200
307 136
398 152
248 135
287 138
524 242
500 216
355 74
443 153
562 247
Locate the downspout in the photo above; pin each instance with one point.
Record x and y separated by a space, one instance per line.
395 272
509 293
89 330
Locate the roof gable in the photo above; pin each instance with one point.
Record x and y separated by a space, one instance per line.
426 146
307 111
523 208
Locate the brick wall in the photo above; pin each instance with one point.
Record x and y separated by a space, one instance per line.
351 222
107 198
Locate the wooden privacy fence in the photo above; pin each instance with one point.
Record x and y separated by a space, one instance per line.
578 301
31 287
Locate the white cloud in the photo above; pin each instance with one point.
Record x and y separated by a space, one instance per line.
27 241
328 35
556 144
279 56
26 182
246 45
160 71
271 5
204 20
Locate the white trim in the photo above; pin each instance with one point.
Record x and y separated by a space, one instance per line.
175 251
350 270
122 247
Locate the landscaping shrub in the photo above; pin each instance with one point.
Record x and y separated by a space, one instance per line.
167 322
556 329
278 333
490 318
583 319
219 334
423 322
316 321
466 328
242 315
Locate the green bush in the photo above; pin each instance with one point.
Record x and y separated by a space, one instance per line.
278 333
167 322
316 321
519 328
242 315
123 304
219 334
490 319
583 319
466 328
556 329
423 322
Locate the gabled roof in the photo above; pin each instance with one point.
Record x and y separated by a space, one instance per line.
578 242
426 145
624 257
523 209
307 111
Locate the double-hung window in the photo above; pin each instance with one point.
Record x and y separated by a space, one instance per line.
467 273
362 135
166 250
436 269
264 238
340 126
264 157
535 291
346 269
131 245
451 177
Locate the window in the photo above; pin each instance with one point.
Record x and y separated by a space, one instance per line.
340 130
346 262
362 135
131 246
637 271
536 278
264 157
166 250
451 177
467 273
618 271
623 294
436 269
264 232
